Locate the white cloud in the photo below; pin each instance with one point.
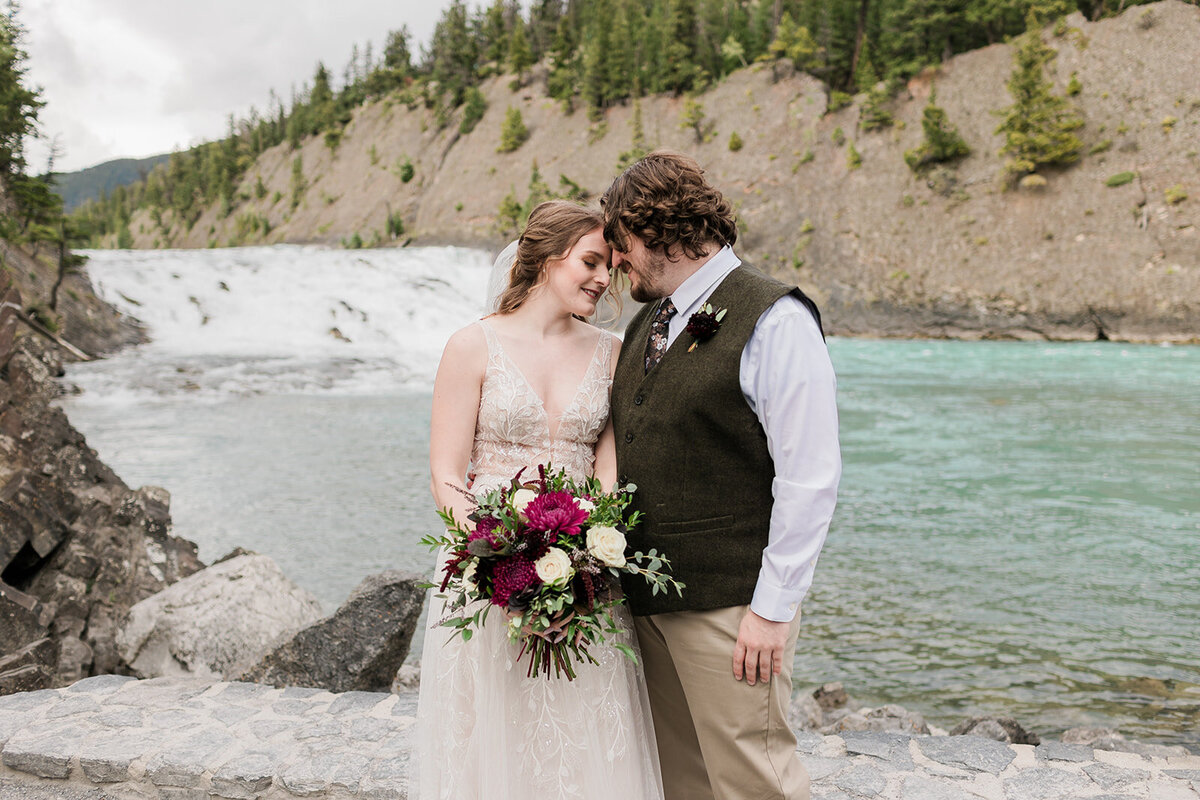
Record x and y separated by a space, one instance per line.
140 77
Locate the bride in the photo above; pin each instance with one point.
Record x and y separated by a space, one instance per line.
527 385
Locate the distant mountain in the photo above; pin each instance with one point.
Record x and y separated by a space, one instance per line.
76 188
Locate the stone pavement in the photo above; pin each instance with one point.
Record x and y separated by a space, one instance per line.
111 738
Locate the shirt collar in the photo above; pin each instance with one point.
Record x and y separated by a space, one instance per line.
701 283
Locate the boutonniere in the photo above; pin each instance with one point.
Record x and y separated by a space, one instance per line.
704 324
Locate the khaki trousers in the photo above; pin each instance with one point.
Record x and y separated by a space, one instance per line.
718 738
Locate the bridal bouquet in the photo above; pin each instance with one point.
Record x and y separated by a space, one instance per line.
548 553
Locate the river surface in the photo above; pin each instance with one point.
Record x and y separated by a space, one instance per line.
1018 530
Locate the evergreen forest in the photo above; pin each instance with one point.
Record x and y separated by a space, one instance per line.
591 54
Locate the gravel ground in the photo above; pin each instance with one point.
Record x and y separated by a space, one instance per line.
14 790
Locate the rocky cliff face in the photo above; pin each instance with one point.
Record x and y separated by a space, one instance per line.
84 320
77 546
885 251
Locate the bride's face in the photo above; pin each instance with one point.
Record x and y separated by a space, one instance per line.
579 279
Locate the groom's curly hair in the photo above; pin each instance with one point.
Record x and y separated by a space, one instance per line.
664 200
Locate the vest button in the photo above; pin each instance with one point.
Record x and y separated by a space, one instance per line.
624 479
637 401
628 438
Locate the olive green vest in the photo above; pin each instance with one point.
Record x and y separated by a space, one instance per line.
697 453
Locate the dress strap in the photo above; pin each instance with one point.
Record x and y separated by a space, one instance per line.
493 342
604 352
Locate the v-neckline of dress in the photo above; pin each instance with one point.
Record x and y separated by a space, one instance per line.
551 436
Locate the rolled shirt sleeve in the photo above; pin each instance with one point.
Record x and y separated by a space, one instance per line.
788 380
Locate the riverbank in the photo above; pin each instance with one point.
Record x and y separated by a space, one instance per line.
116 737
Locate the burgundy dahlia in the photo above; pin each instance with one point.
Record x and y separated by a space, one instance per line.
702 325
555 513
512 576
484 529
487 538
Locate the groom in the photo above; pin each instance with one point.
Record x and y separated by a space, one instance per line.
725 418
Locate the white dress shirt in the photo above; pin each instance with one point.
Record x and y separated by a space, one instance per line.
788 380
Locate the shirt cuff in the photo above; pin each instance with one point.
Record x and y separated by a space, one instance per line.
776 603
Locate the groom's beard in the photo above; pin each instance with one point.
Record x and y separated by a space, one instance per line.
648 285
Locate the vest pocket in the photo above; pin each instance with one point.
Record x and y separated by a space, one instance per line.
691 526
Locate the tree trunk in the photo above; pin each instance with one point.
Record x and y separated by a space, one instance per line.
860 33
62 265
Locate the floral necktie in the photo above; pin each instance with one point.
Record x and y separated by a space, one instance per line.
656 345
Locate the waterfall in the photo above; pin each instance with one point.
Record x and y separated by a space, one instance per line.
284 319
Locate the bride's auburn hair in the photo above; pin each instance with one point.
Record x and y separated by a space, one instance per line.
553 229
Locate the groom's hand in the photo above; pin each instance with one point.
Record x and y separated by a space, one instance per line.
759 651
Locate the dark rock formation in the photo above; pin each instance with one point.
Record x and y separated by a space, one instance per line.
360 647
1002 729
77 546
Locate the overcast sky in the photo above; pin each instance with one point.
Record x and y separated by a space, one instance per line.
140 77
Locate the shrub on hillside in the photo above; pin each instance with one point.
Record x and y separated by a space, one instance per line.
1039 126
513 132
942 141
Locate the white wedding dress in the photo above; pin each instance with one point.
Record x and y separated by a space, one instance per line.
485 730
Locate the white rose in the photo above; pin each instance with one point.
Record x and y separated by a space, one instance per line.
586 505
522 498
607 544
554 567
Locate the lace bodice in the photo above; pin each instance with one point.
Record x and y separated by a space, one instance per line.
513 429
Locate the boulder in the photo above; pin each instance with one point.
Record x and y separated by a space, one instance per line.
1109 739
23 619
1002 729
28 678
831 696
805 713
890 718
360 647
408 679
209 622
30 668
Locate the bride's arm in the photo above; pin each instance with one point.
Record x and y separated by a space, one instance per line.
452 422
606 445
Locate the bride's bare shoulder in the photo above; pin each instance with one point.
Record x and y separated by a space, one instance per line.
466 348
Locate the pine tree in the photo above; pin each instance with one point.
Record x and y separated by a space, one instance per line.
693 117
543 25
942 141
320 102
396 54
795 43
561 84
873 116
1038 125
520 56
513 132
19 105
473 107
639 147
453 53
493 33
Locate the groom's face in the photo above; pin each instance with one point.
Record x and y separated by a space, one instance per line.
645 269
